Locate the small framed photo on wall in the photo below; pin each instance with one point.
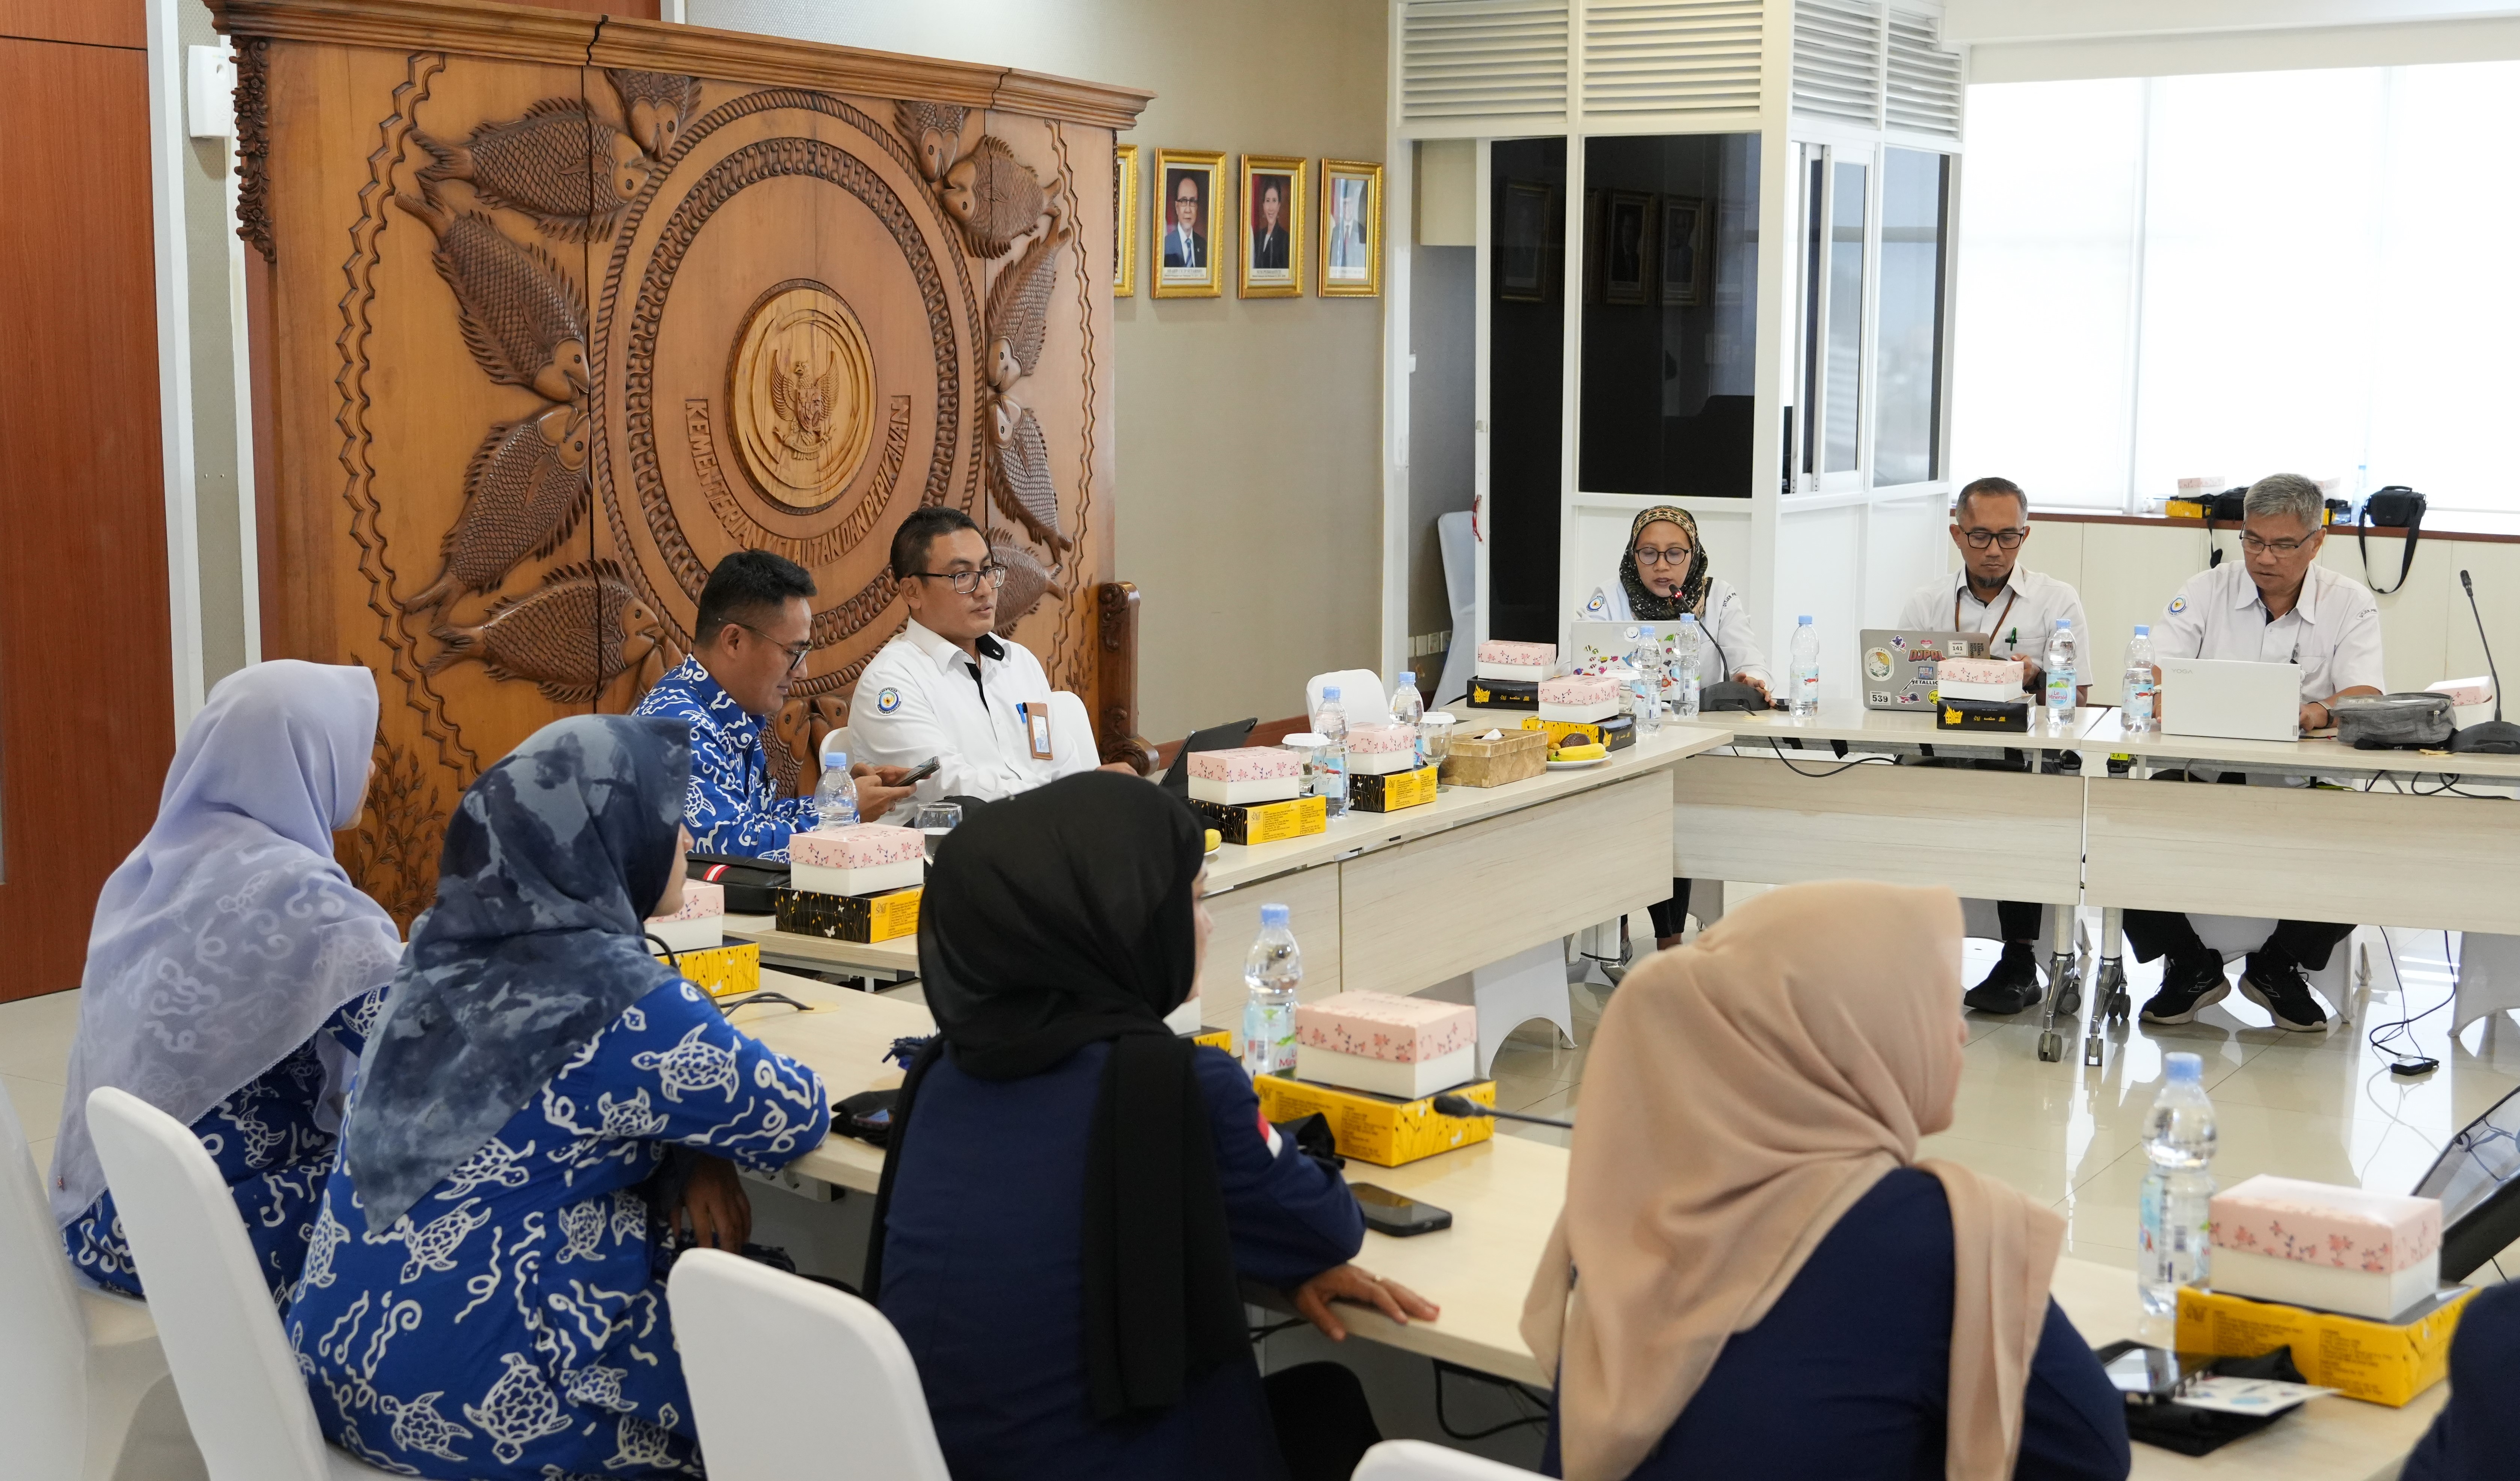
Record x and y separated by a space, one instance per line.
1351 228
1684 251
1526 228
1124 216
1192 227
1273 227
1626 247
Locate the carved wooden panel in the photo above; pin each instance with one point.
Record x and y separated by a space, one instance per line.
548 340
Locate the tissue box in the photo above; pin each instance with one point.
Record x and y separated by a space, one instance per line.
2315 1244
1505 694
863 859
849 917
2471 699
1386 1026
1530 661
1382 1130
1264 821
1377 750
1997 681
699 925
1617 733
1982 715
1386 1077
1515 756
1390 792
724 972
2379 1361
1580 698
1245 774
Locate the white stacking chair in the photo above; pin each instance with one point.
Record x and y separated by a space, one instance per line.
763 1349
1361 696
75 1360
233 1366
2489 977
1418 1460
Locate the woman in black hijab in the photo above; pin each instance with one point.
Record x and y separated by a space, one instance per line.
1072 1191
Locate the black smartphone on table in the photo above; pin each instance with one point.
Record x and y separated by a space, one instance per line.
1388 1213
923 771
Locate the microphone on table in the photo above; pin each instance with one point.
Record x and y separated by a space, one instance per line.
1451 1105
2494 736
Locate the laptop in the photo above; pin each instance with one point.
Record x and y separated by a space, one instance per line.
1216 737
2231 698
1896 665
1590 644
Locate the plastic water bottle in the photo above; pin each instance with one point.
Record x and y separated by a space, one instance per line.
836 795
1645 690
1271 970
1331 776
1408 707
2060 675
1688 646
1806 667
2140 713
2174 1246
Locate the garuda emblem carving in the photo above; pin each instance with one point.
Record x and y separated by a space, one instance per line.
803 407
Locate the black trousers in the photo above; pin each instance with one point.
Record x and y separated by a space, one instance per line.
1672 914
2154 934
1324 1424
2018 919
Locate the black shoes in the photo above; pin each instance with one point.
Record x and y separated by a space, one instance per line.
2190 981
2272 981
2012 986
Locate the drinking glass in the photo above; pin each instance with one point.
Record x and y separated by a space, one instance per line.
937 820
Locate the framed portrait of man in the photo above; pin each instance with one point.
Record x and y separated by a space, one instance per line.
1527 225
1273 227
1191 230
1684 251
1351 228
1124 216
1626 247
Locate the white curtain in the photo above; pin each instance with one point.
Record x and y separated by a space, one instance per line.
2240 275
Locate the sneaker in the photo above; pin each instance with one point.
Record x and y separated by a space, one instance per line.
2012 986
2190 984
2273 981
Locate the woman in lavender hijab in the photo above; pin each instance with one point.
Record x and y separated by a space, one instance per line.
234 969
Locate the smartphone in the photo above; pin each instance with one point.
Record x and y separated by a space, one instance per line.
923 771
1388 1213
2141 1372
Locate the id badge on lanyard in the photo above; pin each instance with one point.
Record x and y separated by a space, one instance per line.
1036 723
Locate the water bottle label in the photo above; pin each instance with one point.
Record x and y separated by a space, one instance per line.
2138 707
1267 1040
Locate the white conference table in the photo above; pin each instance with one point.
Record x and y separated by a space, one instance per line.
1505 1195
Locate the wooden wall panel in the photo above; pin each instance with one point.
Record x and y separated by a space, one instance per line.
81 23
87 707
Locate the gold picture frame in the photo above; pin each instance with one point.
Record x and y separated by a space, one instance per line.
1272 202
1353 186
1124 217
1194 266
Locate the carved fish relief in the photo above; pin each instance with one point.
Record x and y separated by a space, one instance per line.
571 636
522 318
935 134
993 197
1020 306
656 104
1019 474
558 163
1027 581
523 496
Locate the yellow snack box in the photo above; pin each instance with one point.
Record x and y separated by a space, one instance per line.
1391 792
1215 1038
1264 821
1378 1128
2382 1362
724 972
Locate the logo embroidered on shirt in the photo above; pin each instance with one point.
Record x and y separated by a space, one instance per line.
887 701
2179 604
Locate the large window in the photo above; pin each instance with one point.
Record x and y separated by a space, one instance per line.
1873 264
2240 275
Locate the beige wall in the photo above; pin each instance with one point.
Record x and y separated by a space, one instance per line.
208 238
1250 432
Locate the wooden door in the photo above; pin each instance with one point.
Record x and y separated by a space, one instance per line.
86 702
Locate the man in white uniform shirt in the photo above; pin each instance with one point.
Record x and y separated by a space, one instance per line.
2275 604
2016 611
947 686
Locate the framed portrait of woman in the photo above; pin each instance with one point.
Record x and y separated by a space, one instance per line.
1273 227
1351 228
1124 216
1190 225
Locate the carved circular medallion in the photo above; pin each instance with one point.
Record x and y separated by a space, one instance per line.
801 389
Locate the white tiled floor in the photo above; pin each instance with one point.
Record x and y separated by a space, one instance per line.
34 1049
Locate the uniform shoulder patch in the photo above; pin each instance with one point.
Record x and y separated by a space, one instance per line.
887 701
2179 604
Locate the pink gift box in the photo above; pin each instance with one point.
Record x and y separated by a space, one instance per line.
861 845
701 898
1518 654
1382 1026
2321 1223
1250 763
2466 691
1578 689
1381 740
2006 671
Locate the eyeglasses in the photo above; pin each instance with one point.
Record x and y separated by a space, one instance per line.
2010 539
968 582
2257 547
797 652
1678 555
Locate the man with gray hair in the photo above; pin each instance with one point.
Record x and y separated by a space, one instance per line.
2275 604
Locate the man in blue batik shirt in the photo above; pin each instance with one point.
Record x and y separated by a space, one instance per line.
753 634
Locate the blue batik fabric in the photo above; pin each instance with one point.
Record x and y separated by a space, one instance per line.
273 1144
513 1325
732 805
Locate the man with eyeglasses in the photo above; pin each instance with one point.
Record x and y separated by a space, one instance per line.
752 634
2016 612
2274 605
947 687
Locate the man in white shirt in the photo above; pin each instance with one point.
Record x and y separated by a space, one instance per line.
2275 604
947 686
2017 611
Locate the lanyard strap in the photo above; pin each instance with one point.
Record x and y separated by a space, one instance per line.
1989 634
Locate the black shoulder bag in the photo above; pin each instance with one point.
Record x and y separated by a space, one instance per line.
2396 507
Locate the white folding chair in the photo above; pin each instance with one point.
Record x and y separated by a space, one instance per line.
760 1348
76 1362
1418 1460
2489 977
242 1389
1361 696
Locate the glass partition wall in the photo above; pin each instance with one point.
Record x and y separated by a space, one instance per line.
1873 263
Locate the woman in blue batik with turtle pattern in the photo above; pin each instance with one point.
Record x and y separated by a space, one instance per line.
480 1298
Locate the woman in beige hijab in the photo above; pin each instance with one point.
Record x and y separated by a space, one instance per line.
1754 1275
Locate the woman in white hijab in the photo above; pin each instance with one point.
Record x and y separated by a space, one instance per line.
234 970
